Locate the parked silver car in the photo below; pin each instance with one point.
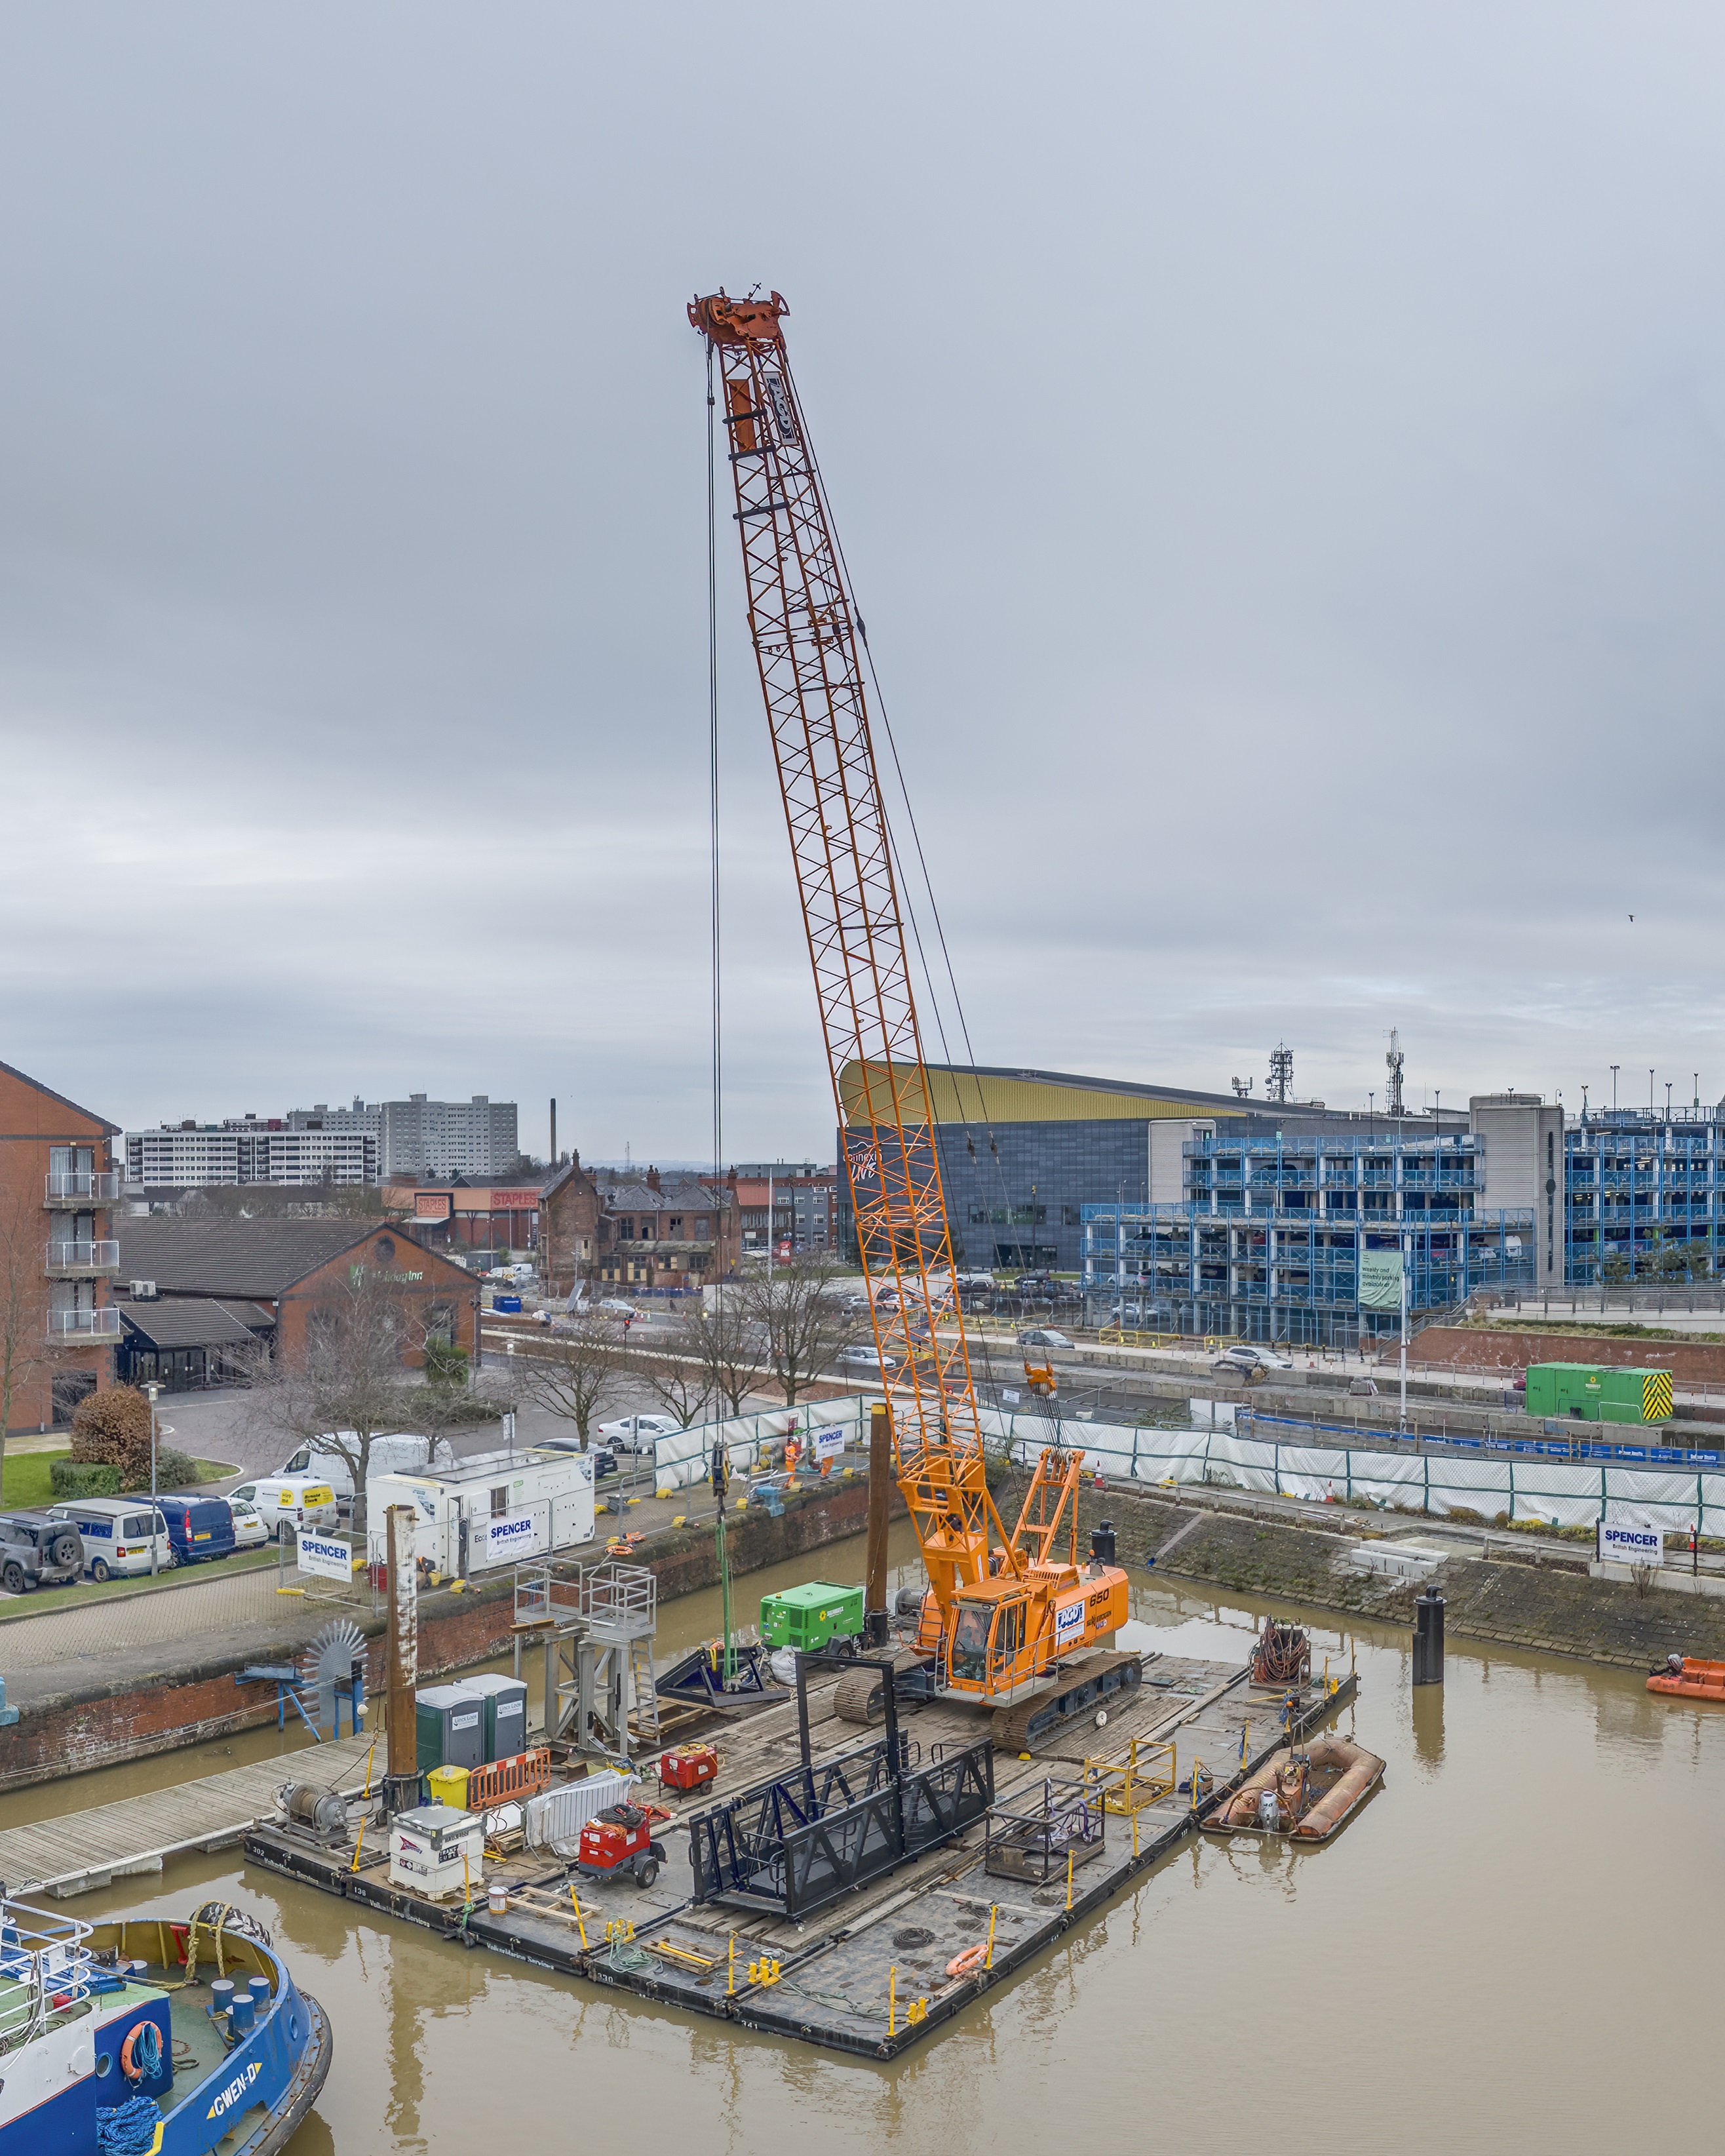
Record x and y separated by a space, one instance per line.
1246 1359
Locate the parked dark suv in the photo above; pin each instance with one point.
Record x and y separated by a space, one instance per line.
38 1551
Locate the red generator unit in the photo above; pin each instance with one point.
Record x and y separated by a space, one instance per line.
620 1840
690 1766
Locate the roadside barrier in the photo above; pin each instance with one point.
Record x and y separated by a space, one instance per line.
524 1775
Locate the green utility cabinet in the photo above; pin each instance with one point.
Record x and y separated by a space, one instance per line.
809 1616
1595 1394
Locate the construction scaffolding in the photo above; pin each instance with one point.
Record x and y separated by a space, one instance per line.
594 1624
1291 1275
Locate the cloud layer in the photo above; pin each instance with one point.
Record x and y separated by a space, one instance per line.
1281 459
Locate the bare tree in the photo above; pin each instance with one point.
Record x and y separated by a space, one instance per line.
800 1323
574 1372
351 1381
727 1343
673 1369
24 1345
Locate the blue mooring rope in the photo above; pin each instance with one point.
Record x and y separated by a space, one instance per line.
147 2057
129 2128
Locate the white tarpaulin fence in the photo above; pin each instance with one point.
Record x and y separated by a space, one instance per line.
686 1458
1670 1499
1673 1499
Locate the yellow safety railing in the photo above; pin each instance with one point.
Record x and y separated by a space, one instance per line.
1127 1781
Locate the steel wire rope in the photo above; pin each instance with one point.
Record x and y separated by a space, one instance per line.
969 1063
712 764
910 907
837 571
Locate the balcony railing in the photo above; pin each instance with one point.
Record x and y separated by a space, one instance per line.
72 1327
81 1185
72 1260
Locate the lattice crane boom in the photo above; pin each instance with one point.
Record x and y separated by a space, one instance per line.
806 637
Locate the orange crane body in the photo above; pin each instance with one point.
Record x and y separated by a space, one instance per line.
1002 1608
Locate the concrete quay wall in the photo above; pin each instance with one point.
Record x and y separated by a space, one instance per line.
1554 1607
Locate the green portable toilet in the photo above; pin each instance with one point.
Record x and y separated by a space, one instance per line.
808 1617
504 1705
449 1727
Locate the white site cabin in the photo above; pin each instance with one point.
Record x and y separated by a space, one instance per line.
492 1510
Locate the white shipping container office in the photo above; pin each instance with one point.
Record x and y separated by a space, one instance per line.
491 1510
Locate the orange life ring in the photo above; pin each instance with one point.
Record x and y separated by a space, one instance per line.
972 1957
129 2066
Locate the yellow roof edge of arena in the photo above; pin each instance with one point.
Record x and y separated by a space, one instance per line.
990 1096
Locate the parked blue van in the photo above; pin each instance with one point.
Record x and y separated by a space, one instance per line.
197 1527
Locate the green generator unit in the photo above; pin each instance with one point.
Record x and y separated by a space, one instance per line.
1591 1395
807 1617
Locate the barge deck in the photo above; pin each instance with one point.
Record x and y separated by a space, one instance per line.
870 1974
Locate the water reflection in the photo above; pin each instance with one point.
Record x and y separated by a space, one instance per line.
407 2081
1492 1856
1429 1724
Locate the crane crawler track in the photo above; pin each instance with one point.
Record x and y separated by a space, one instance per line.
859 1696
1089 1684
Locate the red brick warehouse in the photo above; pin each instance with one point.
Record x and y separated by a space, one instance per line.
292 1268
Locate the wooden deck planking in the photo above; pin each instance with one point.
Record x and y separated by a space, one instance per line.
835 1970
84 1849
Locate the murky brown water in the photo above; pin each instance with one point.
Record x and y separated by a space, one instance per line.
1514 1947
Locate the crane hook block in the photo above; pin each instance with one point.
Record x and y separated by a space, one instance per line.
727 320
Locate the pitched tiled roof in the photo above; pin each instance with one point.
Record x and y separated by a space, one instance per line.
257 1260
186 1321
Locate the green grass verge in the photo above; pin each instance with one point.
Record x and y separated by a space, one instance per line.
27 1480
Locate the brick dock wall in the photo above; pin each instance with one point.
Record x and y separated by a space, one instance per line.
101 1725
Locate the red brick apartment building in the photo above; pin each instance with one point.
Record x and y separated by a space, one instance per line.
58 1189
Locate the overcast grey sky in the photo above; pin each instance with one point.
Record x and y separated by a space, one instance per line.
1281 453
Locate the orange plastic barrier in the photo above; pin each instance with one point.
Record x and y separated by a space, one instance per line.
524 1775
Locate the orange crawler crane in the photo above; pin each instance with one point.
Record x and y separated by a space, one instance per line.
1010 1620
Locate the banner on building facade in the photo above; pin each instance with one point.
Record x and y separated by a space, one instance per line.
1380 1280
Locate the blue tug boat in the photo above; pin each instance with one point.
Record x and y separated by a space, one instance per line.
151 2038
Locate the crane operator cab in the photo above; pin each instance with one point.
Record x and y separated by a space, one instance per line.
992 1650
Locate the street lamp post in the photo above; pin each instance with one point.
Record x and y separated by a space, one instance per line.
150 1391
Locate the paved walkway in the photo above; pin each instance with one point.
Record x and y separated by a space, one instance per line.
92 1633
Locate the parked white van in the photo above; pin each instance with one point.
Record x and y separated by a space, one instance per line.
398 1452
289 1504
116 1537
